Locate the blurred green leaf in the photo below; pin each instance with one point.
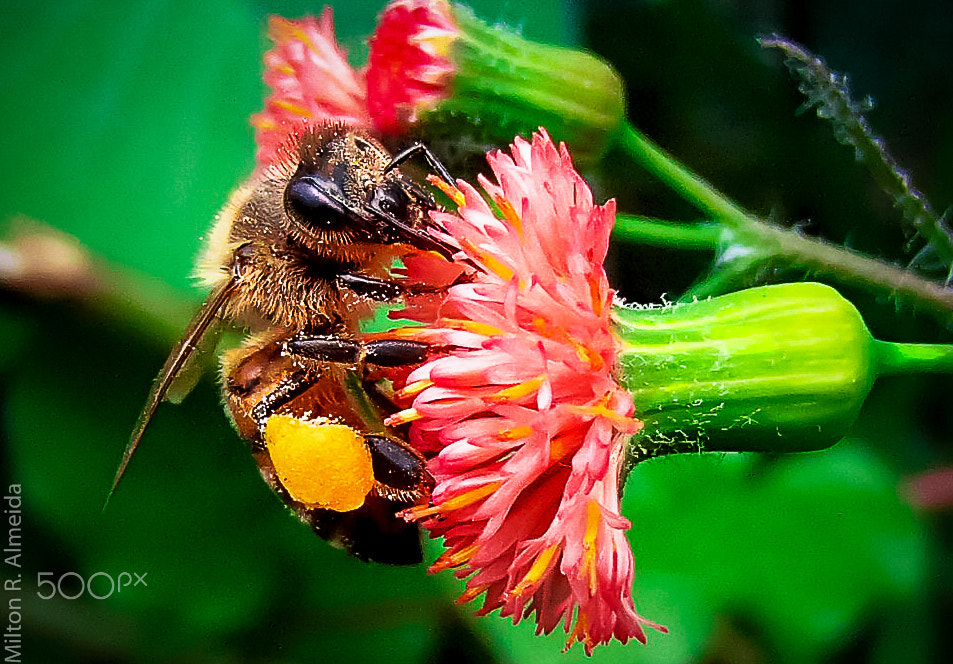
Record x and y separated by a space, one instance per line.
132 122
807 545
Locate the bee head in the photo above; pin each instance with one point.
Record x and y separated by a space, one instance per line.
341 186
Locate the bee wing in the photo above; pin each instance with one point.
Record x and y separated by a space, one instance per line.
183 350
193 368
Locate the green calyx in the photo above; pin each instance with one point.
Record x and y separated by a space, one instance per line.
782 368
505 85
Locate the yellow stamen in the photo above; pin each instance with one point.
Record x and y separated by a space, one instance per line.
286 69
597 301
587 355
403 417
515 433
459 501
559 449
300 35
583 352
264 123
536 572
599 410
542 326
452 559
469 497
509 213
471 326
580 632
410 332
519 390
415 388
452 192
283 29
419 512
471 594
492 263
593 521
291 108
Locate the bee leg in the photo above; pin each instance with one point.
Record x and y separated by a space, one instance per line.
429 156
380 290
399 470
381 352
376 289
395 352
288 389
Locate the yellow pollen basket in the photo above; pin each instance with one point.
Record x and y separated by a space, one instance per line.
319 463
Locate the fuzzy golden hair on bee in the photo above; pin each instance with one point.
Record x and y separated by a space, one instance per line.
212 265
293 259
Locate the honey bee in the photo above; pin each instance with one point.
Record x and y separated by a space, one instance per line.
298 256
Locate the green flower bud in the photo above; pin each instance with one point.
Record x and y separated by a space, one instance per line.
781 368
437 68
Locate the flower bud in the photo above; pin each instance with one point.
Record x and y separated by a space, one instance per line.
780 368
438 67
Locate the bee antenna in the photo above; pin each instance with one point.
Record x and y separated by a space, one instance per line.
429 156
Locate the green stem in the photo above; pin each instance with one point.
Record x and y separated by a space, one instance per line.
821 257
900 358
46 264
690 186
730 276
703 236
144 304
771 241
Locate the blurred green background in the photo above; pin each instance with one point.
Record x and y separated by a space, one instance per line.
127 128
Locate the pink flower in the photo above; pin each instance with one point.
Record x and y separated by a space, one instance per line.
409 66
931 489
522 409
311 82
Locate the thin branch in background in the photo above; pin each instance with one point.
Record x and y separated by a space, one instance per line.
823 258
736 268
45 264
828 92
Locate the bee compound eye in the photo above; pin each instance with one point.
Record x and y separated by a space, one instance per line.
317 202
391 199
